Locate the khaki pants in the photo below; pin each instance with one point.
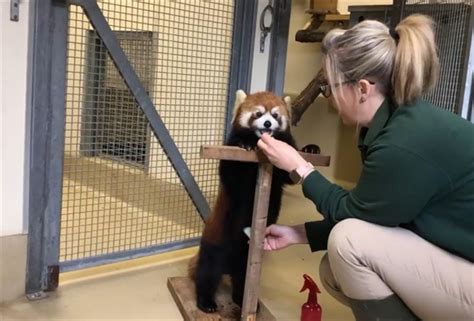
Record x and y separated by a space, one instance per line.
371 262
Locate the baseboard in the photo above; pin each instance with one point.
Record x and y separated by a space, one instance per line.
13 250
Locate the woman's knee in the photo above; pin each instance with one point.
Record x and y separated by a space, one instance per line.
329 282
345 235
325 273
350 254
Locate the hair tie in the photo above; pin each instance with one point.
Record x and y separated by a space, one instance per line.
394 34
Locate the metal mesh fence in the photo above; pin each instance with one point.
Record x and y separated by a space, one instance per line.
452 19
120 191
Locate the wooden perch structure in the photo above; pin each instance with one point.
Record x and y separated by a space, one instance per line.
242 155
182 288
321 23
306 98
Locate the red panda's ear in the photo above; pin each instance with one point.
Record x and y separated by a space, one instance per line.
240 96
287 100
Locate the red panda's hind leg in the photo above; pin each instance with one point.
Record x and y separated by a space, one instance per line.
212 259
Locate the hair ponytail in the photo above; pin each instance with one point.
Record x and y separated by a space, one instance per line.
416 64
404 66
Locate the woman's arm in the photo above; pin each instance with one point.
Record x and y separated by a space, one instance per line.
395 184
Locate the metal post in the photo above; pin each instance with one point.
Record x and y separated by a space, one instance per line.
278 47
242 52
397 12
467 81
48 66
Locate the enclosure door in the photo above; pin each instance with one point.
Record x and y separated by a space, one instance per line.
122 195
124 95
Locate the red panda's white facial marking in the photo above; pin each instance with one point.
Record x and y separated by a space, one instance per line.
246 116
262 120
261 112
282 119
266 123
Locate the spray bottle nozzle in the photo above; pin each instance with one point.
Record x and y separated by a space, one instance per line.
311 310
309 284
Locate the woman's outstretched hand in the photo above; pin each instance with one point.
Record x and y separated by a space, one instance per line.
278 237
280 153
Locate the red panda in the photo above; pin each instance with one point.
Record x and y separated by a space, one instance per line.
224 246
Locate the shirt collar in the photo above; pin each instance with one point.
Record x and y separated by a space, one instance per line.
381 117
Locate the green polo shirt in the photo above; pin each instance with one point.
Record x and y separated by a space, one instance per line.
418 173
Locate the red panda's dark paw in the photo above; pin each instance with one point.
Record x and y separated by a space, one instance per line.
311 148
247 147
207 305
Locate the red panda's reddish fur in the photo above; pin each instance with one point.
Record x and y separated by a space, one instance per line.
224 246
213 228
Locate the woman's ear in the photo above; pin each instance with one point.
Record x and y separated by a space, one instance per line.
364 90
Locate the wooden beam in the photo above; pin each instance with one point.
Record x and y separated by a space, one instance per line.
183 291
306 97
242 155
337 17
259 224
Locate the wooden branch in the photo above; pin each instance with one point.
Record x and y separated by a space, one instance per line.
259 224
306 98
242 155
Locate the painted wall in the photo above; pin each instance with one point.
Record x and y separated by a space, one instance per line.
320 124
260 59
13 84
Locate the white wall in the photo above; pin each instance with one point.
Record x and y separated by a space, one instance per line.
320 124
13 81
260 60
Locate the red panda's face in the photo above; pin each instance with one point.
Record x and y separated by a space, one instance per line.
262 112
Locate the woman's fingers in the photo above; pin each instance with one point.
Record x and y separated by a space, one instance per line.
266 138
269 230
264 142
262 145
266 246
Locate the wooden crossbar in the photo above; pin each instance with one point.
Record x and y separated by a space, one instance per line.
242 155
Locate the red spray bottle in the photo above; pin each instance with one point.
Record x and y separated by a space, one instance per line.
311 310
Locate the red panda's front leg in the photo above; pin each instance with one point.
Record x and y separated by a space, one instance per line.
238 272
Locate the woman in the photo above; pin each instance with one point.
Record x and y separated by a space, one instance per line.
401 243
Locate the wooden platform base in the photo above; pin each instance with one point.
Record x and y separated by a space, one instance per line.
183 291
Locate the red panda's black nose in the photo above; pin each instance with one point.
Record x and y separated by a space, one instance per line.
267 124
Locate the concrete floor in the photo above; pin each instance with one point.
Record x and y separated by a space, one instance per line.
136 289
108 207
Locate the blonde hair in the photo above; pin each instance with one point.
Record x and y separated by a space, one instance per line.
404 66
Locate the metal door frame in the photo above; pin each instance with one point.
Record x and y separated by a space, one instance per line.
47 92
279 46
466 99
48 49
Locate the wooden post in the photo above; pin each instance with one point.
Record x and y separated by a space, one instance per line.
259 224
260 213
